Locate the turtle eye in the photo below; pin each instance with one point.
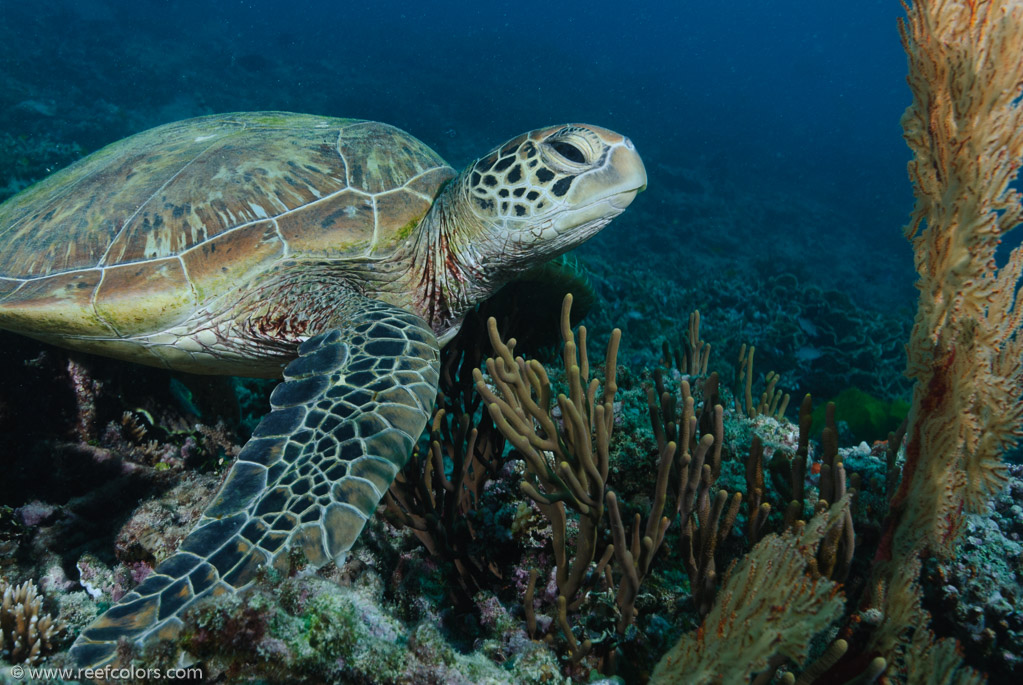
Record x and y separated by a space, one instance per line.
572 149
568 151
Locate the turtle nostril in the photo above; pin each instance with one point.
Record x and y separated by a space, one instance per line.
569 151
629 145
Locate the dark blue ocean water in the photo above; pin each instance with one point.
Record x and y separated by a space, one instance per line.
793 105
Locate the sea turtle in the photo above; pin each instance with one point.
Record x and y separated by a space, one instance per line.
338 253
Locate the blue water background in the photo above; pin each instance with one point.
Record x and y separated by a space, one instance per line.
787 98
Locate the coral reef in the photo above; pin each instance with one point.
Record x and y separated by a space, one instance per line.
738 481
564 519
977 593
337 626
567 448
27 160
27 633
817 340
771 575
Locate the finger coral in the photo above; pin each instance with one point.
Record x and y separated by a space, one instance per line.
569 465
26 633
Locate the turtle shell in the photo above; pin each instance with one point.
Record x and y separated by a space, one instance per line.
136 237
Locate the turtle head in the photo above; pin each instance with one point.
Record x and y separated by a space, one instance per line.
526 202
545 192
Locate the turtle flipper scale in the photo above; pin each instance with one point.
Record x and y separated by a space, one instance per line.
342 425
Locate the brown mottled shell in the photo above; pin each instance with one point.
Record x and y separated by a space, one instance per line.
134 238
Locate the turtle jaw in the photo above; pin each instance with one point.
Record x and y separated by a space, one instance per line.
594 199
608 207
605 191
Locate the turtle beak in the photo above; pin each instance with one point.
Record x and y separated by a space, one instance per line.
632 174
606 191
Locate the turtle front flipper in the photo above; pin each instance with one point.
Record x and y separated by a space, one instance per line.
342 425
